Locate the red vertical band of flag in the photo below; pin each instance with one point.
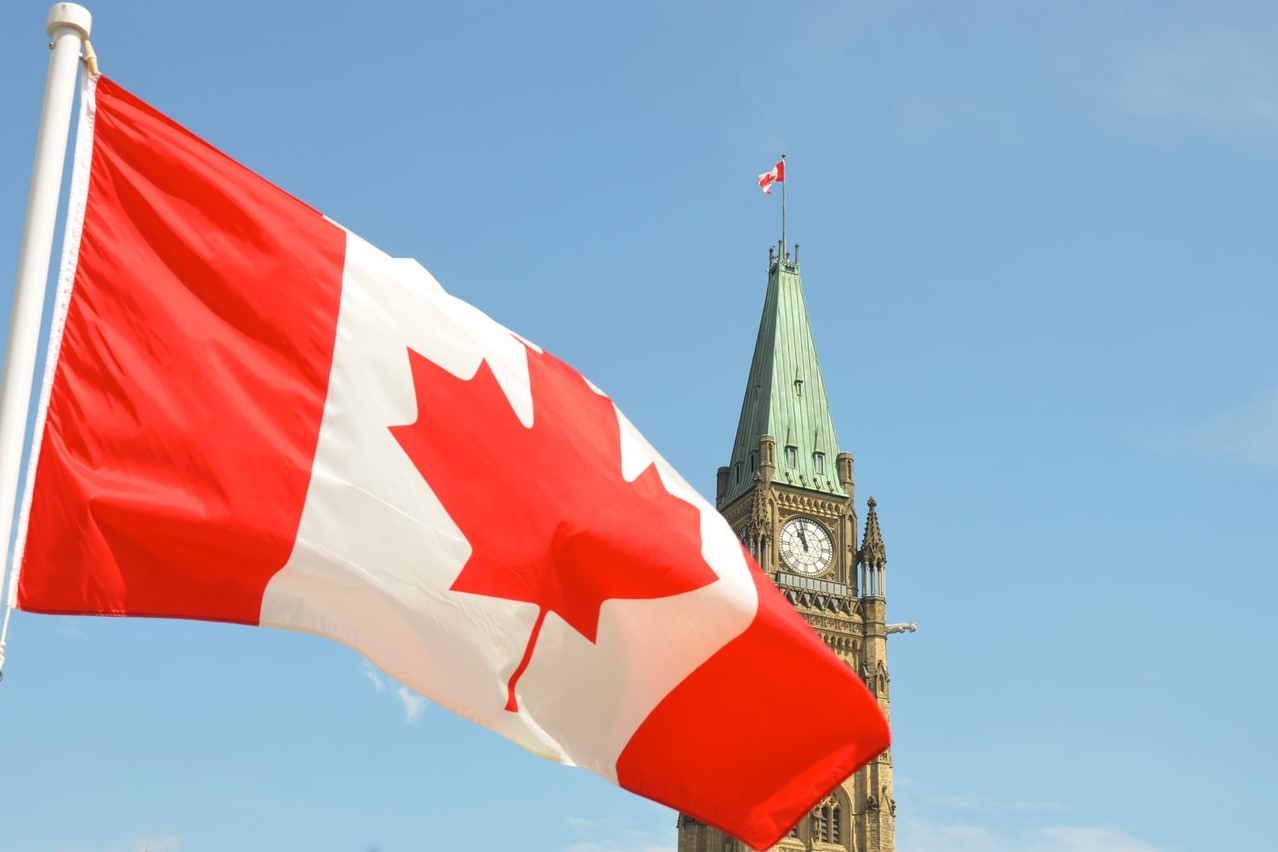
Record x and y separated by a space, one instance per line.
681 754
194 358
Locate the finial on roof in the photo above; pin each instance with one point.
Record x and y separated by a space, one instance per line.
873 551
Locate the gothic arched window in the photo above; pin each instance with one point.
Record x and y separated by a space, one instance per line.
826 825
820 828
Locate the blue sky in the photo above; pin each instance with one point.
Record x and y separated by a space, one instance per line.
1038 247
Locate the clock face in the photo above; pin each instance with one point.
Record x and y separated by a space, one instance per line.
805 546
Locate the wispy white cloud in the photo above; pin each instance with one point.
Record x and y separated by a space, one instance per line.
978 802
621 846
1202 67
923 836
142 842
155 843
374 676
933 821
610 835
68 627
410 702
1246 433
1219 76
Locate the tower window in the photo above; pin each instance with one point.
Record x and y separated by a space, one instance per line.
792 456
737 469
754 458
818 461
825 823
798 387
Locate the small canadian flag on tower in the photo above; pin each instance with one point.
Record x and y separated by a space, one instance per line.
776 175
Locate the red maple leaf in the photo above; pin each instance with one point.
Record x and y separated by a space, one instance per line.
549 518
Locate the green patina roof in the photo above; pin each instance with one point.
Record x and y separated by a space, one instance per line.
785 396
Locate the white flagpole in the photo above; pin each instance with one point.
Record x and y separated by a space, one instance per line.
784 248
68 27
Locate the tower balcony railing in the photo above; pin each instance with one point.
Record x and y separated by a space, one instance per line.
811 584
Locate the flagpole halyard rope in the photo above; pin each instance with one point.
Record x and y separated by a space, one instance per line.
90 58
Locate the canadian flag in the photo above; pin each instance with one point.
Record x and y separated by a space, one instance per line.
252 415
777 175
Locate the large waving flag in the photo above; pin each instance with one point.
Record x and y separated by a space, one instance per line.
251 415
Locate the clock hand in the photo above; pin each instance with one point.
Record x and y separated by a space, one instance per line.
804 540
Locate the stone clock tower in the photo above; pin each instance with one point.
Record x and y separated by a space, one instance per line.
788 492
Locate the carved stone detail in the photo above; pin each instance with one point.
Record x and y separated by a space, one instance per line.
810 503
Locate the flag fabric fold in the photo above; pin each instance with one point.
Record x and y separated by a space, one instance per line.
775 175
251 415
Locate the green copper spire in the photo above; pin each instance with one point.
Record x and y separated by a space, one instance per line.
785 398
